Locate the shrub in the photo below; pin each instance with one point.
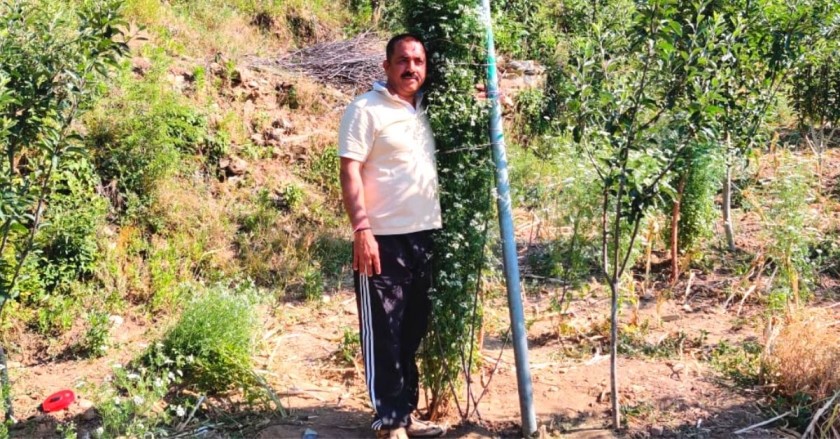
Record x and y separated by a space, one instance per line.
803 358
216 332
69 248
130 404
142 133
95 341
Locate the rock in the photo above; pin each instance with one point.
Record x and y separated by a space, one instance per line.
285 124
84 404
670 318
116 321
657 430
257 139
89 414
140 65
237 166
240 76
275 134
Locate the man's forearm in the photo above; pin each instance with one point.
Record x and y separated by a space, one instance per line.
353 193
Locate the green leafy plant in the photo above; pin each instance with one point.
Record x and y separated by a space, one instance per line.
53 59
96 339
129 403
216 332
452 34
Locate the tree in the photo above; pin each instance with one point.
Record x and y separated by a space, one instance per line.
815 88
53 59
636 96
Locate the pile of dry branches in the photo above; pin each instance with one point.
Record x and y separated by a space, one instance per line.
350 65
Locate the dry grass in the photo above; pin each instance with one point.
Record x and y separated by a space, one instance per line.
804 357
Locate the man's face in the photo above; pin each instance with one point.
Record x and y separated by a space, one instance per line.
406 70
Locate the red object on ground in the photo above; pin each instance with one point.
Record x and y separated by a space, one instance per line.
58 401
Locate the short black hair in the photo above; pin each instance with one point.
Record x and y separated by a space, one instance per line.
392 43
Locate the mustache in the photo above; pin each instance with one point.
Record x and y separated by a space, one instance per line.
410 75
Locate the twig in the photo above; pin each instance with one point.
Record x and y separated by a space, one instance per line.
818 415
192 413
761 424
688 287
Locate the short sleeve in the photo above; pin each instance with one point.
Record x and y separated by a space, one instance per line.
355 134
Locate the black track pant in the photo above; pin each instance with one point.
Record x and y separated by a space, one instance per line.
394 311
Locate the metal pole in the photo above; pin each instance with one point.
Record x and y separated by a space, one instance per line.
517 316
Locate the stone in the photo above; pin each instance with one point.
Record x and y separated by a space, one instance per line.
140 65
257 139
89 414
275 134
657 430
237 166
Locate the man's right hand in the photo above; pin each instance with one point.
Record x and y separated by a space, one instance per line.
366 253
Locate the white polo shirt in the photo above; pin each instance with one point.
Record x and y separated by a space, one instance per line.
394 142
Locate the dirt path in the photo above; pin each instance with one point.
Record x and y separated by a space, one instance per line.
678 396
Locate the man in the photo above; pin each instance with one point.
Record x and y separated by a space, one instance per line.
389 189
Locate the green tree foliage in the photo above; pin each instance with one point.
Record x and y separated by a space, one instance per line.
525 29
635 97
815 84
53 58
454 37
698 210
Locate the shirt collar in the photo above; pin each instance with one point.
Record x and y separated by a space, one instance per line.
382 87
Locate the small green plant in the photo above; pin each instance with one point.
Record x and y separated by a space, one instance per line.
129 403
740 363
217 333
96 339
290 197
670 345
350 347
313 282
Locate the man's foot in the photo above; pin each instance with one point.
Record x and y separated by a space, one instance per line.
396 433
420 428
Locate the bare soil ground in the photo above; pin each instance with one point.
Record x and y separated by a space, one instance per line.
679 396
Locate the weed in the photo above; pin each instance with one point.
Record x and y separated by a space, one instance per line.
313 282
742 364
95 341
671 345
804 357
349 349
216 331
130 402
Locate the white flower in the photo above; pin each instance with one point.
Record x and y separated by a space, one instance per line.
179 410
190 358
170 375
117 400
138 400
133 376
158 382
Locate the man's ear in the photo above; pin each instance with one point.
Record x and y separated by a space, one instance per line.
386 64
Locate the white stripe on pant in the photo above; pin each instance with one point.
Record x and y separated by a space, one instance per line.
367 343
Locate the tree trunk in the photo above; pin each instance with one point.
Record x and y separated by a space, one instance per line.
727 198
675 230
616 413
6 387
